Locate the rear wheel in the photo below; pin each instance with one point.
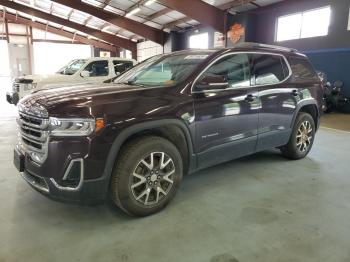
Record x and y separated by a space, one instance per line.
302 138
147 176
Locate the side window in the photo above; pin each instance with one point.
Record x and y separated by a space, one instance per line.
98 68
269 69
235 69
302 68
121 66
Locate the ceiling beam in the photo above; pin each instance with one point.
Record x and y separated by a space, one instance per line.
198 10
276 6
115 40
54 30
171 25
138 28
107 2
235 3
225 6
164 11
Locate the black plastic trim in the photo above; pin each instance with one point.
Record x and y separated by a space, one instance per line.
126 133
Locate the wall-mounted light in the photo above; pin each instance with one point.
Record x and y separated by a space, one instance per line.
134 11
149 2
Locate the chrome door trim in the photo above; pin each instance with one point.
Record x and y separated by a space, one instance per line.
235 53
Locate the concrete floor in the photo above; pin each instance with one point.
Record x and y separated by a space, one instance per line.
259 208
336 121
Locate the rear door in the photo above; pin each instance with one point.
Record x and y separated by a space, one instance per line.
278 99
226 117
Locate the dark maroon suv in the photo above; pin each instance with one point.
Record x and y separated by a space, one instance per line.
133 139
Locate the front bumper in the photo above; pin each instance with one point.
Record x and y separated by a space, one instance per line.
71 182
90 192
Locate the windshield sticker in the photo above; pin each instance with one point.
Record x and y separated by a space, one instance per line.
197 57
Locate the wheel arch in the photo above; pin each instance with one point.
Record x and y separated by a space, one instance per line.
172 129
310 107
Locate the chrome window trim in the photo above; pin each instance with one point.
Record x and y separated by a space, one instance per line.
245 87
66 173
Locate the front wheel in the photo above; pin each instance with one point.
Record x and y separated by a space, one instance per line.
302 138
147 176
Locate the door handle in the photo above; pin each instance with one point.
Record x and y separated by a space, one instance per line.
249 98
295 92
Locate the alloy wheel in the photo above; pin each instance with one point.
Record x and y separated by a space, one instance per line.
304 136
153 178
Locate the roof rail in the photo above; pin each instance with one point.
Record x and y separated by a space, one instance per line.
275 47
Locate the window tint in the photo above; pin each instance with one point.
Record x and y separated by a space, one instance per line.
235 68
269 69
302 68
121 66
97 68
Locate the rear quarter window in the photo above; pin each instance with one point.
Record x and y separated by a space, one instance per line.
302 69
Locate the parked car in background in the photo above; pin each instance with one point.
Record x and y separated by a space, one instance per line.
173 114
78 71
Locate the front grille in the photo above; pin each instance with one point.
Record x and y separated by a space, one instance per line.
33 133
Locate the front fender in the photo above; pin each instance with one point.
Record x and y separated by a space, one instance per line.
131 130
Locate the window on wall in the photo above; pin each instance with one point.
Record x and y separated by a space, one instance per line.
199 41
306 24
50 57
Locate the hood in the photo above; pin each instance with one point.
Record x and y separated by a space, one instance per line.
43 78
57 100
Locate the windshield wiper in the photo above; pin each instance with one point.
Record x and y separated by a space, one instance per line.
132 83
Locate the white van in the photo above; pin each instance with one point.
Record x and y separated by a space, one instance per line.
78 71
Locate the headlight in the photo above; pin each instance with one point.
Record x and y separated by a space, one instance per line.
71 127
30 86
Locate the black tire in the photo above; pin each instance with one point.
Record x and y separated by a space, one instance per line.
293 150
130 162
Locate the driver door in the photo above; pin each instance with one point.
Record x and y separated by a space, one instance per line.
226 113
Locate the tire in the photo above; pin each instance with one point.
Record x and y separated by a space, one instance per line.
302 138
141 188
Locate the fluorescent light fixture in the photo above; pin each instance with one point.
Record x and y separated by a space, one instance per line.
149 2
134 11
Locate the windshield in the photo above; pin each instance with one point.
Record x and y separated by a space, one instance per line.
162 70
73 67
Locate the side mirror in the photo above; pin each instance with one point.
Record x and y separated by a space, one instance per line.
212 82
85 74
